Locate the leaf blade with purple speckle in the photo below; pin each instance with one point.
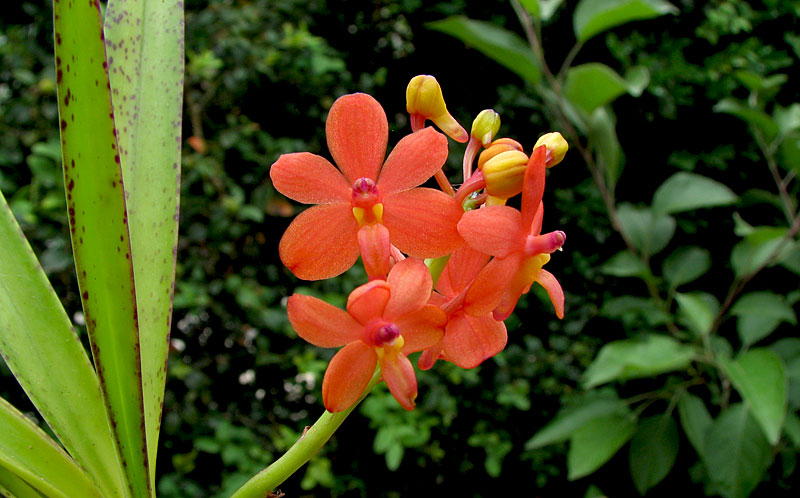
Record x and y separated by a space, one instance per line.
98 227
144 46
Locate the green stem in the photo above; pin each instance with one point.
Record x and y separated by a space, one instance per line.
301 452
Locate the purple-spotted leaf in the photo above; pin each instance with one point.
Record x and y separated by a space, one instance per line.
98 223
144 43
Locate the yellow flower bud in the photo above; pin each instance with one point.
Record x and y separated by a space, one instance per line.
485 126
504 173
496 147
424 100
556 147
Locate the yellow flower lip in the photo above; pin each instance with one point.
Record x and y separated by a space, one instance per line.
556 146
424 100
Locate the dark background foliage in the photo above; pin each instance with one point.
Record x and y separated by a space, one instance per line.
260 77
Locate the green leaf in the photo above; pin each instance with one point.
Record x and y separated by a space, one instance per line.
499 44
757 248
633 358
653 451
624 264
596 442
595 16
759 120
687 191
787 118
594 492
759 313
144 40
29 453
630 308
737 454
543 9
695 420
603 138
594 404
637 78
792 429
790 152
685 265
12 486
98 225
36 335
593 85
649 232
759 375
698 309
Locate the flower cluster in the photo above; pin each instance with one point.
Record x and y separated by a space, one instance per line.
481 254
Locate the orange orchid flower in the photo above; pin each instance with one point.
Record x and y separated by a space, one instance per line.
468 340
365 206
520 250
384 322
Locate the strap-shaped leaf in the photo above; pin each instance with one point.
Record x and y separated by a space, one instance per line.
13 486
144 43
98 225
28 452
44 353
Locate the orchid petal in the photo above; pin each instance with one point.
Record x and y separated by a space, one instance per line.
373 242
495 230
421 329
533 185
428 357
462 268
414 160
347 376
519 285
309 178
357 132
469 340
321 242
400 378
320 323
368 301
489 286
536 224
422 222
554 290
411 285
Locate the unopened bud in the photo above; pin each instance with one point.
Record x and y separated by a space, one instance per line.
498 146
486 126
505 173
424 100
556 147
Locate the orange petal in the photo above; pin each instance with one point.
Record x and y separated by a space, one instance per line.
469 340
413 161
411 285
533 185
357 133
462 267
368 301
519 285
421 329
422 222
348 375
489 286
373 242
400 378
309 178
495 230
554 290
320 323
321 242
536 224
428 357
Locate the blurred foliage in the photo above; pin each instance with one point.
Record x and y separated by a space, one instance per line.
261 75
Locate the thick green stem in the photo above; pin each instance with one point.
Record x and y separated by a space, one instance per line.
301 452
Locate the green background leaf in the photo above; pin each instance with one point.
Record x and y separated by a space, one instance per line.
648 231
760 377
695 420
685 265
686 191
631 358
500 45
592 85
596 442
653 451
595 16
759 313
